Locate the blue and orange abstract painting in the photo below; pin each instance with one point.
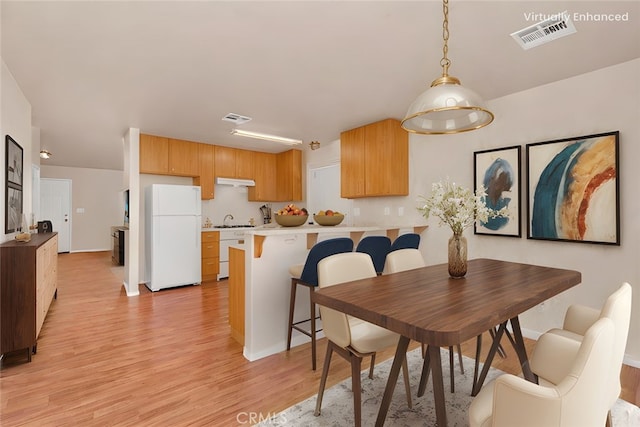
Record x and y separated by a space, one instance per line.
498 171
573 189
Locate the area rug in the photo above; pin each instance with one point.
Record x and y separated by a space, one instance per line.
337 403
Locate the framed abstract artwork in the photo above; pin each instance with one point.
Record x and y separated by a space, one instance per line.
573 191
498 171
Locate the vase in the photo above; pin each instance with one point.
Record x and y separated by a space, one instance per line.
457 256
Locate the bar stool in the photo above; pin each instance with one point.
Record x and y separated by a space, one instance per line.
377 247
307 275
406 241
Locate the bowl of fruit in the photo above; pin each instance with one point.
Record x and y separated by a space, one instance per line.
291 216
328 217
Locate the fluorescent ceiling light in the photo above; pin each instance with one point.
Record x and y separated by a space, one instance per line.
266 137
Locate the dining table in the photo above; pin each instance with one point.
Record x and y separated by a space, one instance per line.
428 306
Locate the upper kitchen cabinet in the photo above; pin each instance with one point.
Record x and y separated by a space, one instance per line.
206 153
289 176
374 160
225 161
183 158
244 164
265 174
154 154
234 162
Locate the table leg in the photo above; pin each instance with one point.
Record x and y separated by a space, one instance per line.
487 363
401 352
521 350
424 377
438 385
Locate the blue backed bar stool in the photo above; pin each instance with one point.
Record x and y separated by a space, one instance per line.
307 275
377 247
406 241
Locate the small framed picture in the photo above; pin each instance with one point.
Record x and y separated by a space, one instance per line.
498 171
573 190
13 214
14 162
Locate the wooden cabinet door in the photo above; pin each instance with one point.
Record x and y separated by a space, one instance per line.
183 158
265 178
205 180
154 154
352 163
225 162
245 164
289 176
386 159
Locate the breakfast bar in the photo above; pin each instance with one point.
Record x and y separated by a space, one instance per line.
268 253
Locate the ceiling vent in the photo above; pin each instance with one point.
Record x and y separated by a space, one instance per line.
236 118
551 28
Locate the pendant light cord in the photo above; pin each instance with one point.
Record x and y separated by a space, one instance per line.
445 62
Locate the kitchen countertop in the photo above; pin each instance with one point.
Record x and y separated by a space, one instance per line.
274 229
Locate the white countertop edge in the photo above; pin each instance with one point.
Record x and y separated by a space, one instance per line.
308 229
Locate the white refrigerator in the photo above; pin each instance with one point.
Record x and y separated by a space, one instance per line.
172 236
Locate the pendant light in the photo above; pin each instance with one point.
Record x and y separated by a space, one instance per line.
446 107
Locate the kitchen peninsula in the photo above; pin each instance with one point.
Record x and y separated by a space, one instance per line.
267 253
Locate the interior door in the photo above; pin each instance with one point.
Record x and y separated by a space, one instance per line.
55 206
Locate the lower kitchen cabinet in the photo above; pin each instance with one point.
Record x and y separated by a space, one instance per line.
210 255
236 294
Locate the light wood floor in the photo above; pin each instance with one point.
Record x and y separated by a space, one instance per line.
162 359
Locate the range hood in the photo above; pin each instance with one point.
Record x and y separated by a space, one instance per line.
236 182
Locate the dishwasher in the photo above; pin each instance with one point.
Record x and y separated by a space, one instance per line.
229 236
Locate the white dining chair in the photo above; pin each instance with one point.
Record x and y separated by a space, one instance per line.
553 358
349 337
408 259
575 401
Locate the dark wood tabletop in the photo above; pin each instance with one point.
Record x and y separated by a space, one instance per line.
427 305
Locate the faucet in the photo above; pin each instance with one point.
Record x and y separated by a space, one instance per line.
224 221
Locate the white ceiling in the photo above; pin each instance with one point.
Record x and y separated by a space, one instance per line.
305 69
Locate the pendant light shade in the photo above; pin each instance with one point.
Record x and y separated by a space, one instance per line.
446 107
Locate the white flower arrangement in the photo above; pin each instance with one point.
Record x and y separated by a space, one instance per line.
458 207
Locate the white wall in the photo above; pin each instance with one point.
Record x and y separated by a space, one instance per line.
578 106
15 120
99 192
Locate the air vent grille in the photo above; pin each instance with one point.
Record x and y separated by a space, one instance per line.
236 118
552 28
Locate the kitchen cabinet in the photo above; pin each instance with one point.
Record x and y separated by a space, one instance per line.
244 164
210 241
265 176
206 159
289 176
28 284
183 158
225 161
234 162
166 156
236 294
374 160
154 154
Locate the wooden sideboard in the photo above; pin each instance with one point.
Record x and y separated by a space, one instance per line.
28 284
